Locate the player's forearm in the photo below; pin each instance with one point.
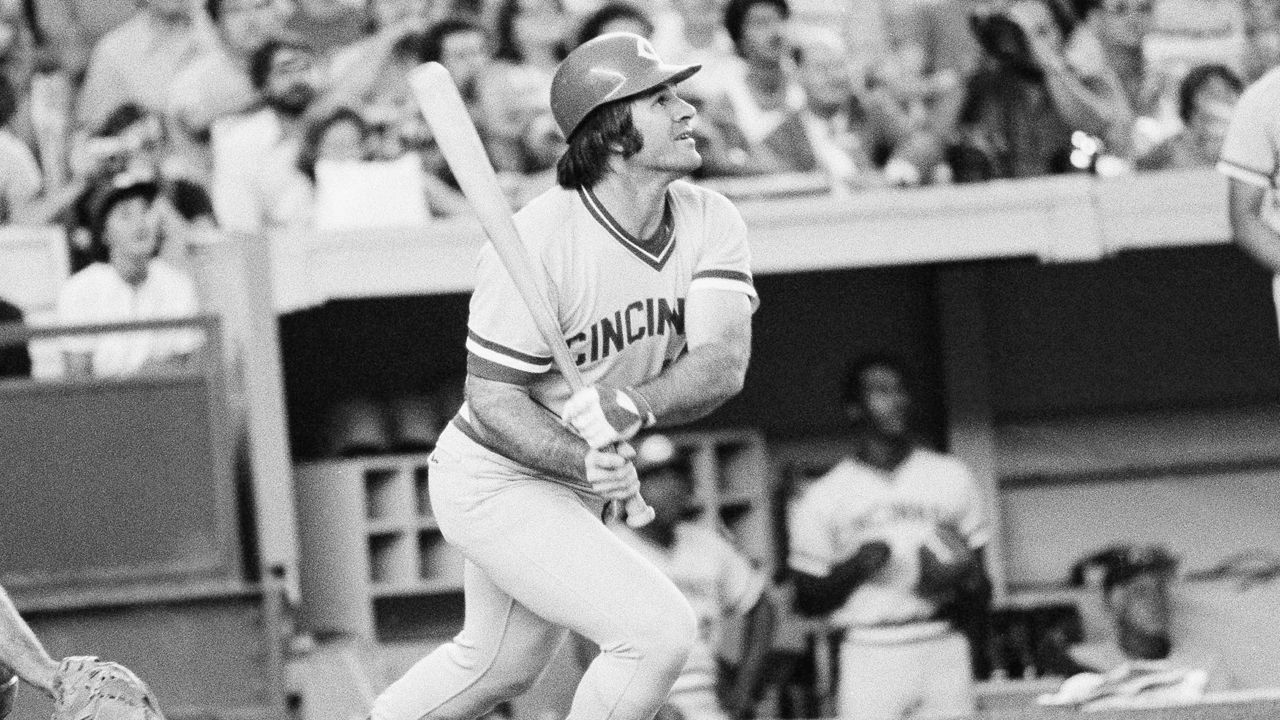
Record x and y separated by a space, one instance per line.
21 650
524 431
700 381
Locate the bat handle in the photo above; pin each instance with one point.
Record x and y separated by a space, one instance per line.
638 511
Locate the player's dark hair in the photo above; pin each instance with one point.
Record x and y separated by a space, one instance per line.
604 131
854 391
735 15
433 39
611 12
109 197
1195 79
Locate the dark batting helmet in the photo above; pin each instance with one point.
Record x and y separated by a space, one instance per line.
610 67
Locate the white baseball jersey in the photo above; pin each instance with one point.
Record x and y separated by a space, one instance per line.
855 503
98 294
717 580
1251 149
620 301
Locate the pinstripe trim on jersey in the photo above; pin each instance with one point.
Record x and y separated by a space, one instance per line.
490 370
1245 174
664 239
732 280
503 355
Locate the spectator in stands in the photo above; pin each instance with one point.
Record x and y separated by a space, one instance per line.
350 188
128 283
846 129
1017 120
1106 52
131 144
1261 50
866 551
1206 98
928 57
15 359
692 32
216 83
137 61
256 181
462 47
42 90
326 26
532 38
19 173
615 17
753 127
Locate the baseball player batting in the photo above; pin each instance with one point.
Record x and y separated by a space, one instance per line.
649 279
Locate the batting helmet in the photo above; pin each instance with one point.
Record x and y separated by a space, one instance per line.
609 67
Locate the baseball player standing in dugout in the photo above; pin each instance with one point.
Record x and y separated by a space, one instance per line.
650 279
890 543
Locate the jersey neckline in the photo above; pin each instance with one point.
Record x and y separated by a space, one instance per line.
663 240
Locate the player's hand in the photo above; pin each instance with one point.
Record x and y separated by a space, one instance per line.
602 415
945 562
868 560
611 473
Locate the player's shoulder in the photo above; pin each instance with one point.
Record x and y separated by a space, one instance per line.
689 194
542 217
833 483
939 464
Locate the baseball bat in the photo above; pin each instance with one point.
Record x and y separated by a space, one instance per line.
460 144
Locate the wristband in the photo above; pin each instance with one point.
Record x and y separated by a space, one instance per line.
647 418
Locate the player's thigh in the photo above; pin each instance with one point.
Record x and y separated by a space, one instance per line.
509 643
546 547
876 682
949 692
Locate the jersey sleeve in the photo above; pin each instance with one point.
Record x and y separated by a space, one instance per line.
1249 152
813 550
972 522
503 343
739 585
725 260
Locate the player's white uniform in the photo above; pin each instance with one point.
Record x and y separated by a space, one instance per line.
538 558
719 582
1251 148
896 661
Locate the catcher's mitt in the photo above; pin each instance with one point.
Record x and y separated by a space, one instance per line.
87 688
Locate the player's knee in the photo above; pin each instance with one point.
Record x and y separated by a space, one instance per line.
669 644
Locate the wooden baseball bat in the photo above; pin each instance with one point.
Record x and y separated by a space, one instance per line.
458 140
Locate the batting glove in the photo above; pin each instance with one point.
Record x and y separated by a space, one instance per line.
602 415
611 474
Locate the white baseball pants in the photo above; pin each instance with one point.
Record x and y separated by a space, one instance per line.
538 561
920 678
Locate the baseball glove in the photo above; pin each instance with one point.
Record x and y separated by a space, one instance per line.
87 688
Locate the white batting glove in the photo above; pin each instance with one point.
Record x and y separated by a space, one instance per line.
602 415
611 474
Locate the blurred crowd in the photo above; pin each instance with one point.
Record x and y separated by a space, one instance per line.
297 116
265 114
